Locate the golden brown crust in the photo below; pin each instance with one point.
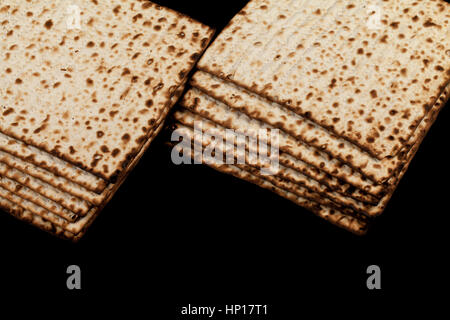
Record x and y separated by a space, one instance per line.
99 136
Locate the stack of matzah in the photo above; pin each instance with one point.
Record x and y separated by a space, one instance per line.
352 86
85 87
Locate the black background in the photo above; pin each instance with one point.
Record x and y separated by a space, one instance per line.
175 235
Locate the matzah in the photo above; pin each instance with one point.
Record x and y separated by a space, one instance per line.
86 102
326 61
59 226
72 227
96 79
353 88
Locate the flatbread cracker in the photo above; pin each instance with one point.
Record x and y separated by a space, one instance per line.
69 228
311 63
104 103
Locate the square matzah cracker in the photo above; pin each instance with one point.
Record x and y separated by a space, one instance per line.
90 95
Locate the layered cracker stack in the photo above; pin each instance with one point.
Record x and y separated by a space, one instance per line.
85 88
352 86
